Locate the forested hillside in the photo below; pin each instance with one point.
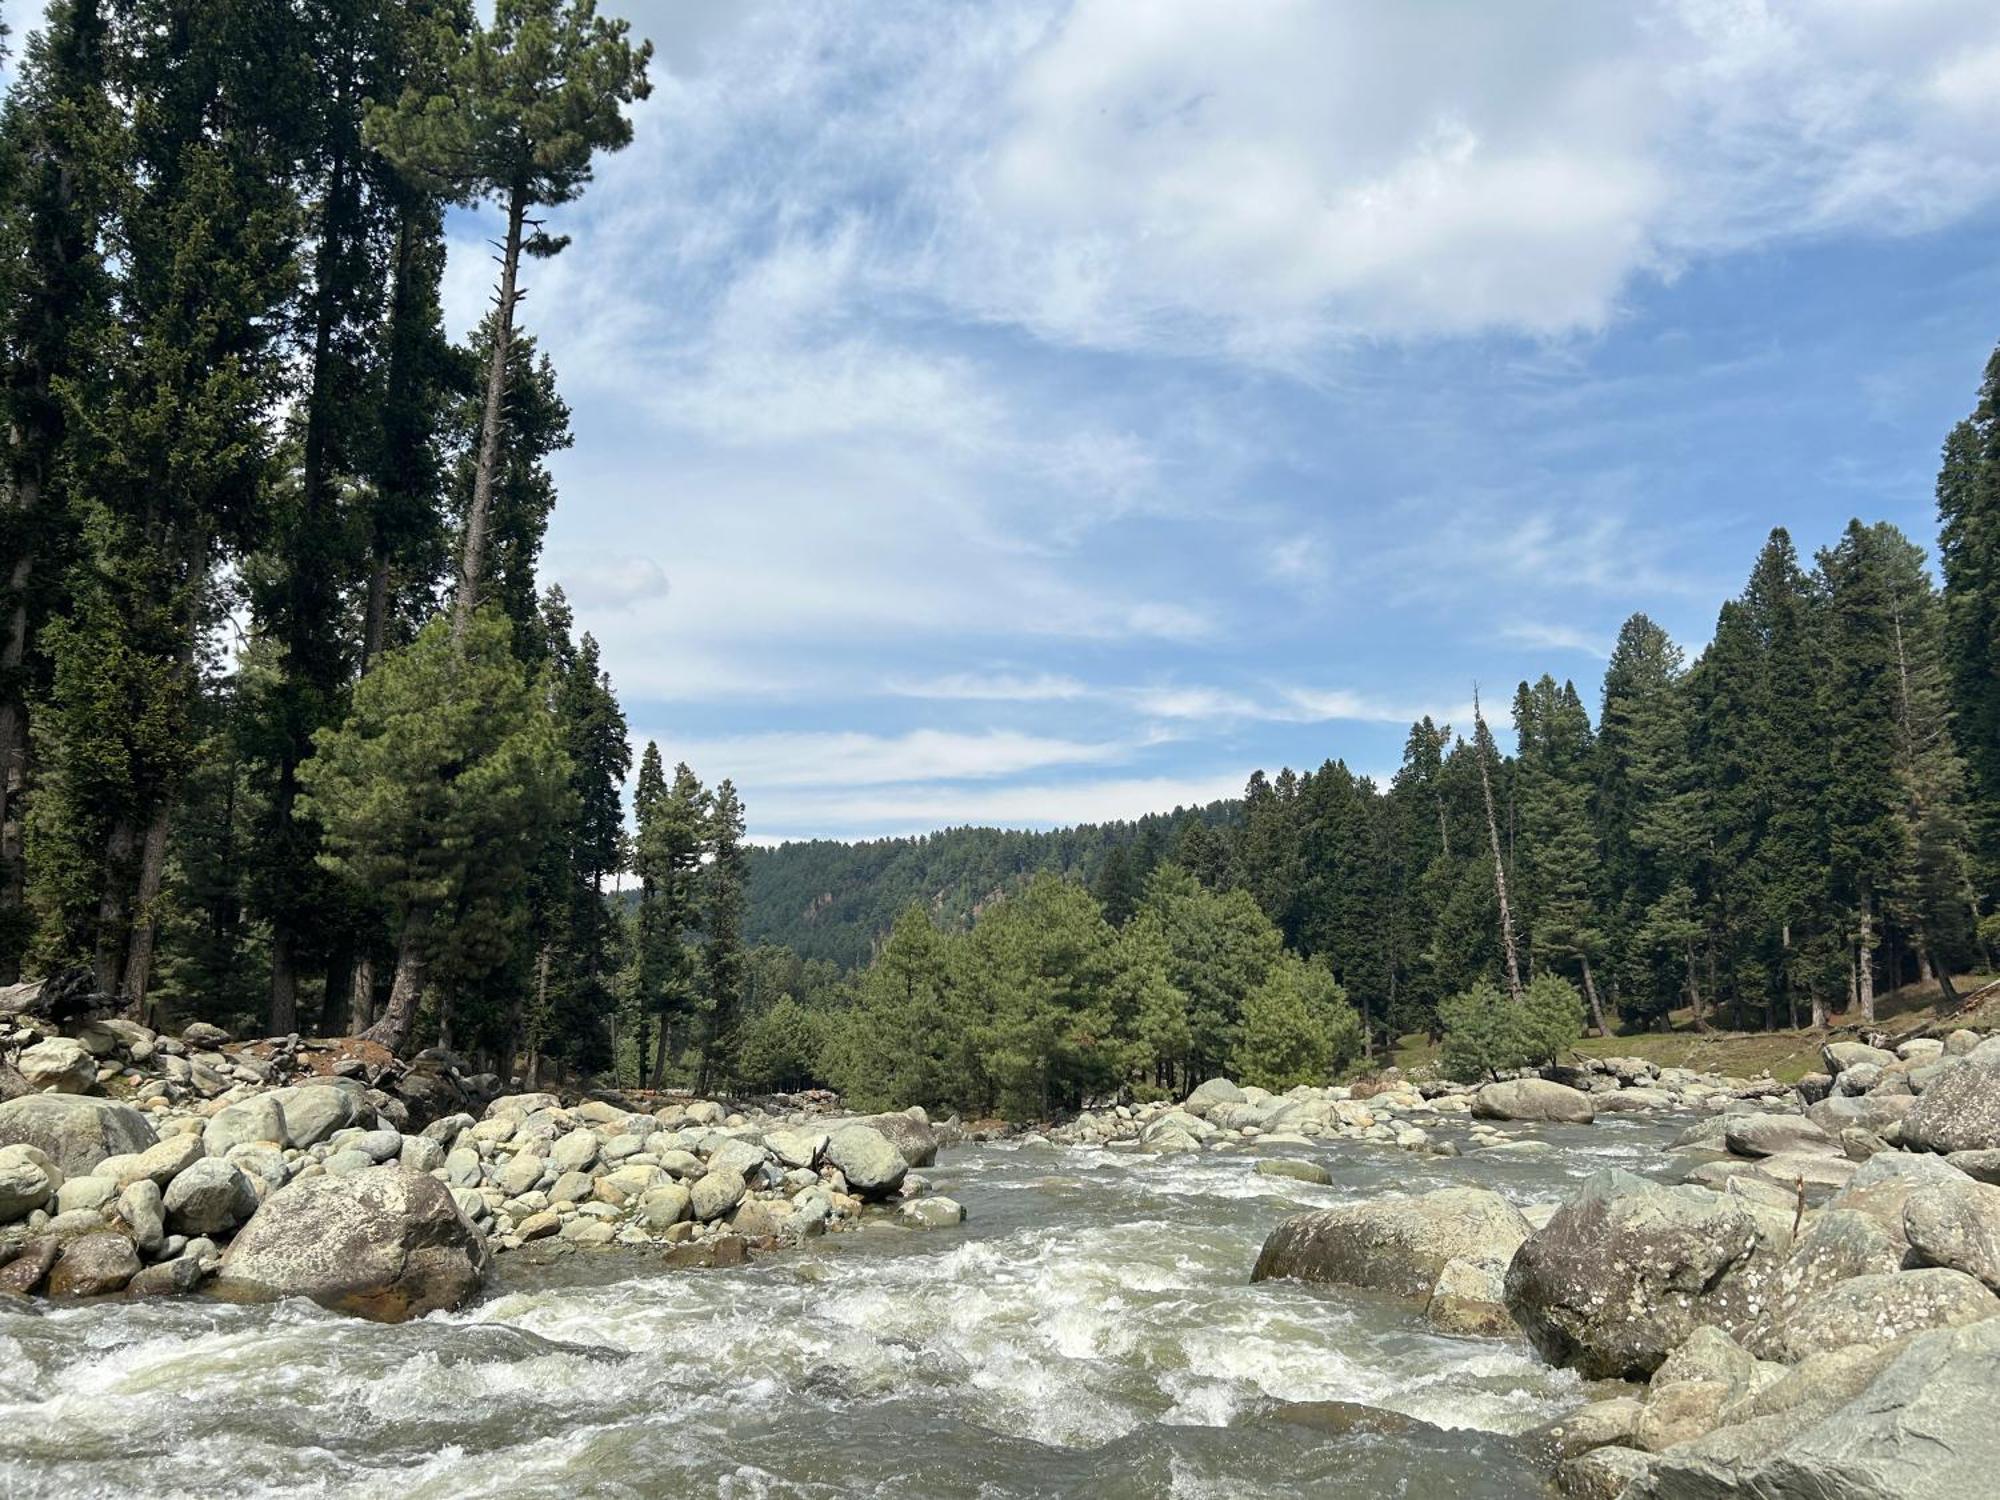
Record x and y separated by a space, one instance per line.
830 900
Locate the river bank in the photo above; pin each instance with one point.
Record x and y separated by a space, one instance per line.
1630 1280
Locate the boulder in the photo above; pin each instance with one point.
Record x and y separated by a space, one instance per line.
1396 1244
145 1214
910 1134
1875 1309
1921 1429
870 1162
74 1131
575 1152
663 1207
1774 1135
1470 1297
744 1158
386 1244
170 1278
93 1265
156 1164
25 1271
258 1118
314 1112
1881 1188
1627 1269
716 1193
1604 1473
1874 1112
1840 1056
28 1180
80 1194
519 1173
1835 1245
1959 1110
796 1148
59 1065
1956 1225
1292 1167
932 1213
1533 1099
211 1197
1210 1094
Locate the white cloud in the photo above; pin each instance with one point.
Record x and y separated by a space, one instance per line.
920 809
992 687
1556 637
850 759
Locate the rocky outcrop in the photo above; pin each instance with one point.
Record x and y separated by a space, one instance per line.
1956 1225
384 1243
1627 1270
74 1131
1920 1429
1875 1309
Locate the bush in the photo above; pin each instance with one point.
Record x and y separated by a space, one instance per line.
1481 1033
1297 1028
1551 1020
1486 1033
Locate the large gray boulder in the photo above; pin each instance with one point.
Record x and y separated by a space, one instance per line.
258 1118
28 1179
1882 1188
1959 1110
93 1265
75 1131
1774 1135
910 1134
1627 1269
1872 1112
59 1064
1215 1092
870 1162
1840 1056
384 1243
1956 1224
211 1197
1836 1245
1921 1429
313 1112
1395 1244
1875 1309
1534 1099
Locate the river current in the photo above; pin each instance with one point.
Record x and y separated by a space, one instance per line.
1089 1331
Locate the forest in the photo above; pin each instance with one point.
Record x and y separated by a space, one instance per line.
293 737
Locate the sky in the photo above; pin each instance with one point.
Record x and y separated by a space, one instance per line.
1049 412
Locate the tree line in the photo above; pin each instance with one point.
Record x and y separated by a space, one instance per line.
290 734
1805 815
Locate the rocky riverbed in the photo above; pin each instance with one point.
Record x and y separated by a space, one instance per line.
1622 1282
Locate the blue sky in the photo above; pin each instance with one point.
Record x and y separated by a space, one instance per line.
1047 412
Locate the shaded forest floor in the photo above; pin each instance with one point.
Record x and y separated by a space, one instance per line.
1788 1055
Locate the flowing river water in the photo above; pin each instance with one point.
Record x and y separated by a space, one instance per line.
1090 1331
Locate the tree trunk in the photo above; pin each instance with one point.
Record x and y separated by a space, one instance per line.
472 558
284 984
145 913
407 989
1865 958
24 499
660 1057
1590 994
1694 992
113 909
1499 864
361 998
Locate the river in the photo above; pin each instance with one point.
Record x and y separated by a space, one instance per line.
1090 1331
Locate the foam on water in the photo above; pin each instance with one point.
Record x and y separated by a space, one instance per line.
1091 1330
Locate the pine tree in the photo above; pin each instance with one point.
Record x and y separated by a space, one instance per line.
525 106
56 140
722 958
1968 499
1558 843
172 461
1869 833
437 785
666 856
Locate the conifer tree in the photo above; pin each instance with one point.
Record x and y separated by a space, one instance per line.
1968 500
523 109
722 957
58 143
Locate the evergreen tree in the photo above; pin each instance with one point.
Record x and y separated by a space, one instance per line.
1968 499
521 112
722 957
57 152
436 788
1558 844
1868 830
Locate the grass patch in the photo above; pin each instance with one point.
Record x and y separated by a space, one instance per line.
1787 1055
